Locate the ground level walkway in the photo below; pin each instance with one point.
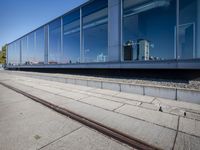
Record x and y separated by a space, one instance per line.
164 123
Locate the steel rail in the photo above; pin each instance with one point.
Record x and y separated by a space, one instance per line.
113 133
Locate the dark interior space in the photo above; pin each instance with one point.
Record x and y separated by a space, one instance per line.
149 74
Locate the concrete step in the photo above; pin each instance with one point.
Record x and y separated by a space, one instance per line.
178 94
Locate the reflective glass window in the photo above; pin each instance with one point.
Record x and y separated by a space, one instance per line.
14 53
71 37
24 49
31 47
189 29
54 55
95 31
39 50
149 30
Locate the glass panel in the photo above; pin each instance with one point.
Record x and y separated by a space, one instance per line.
189 29
54 56
149 29
39 50
71 38
10 51
14 53
31 47
95 31
24 48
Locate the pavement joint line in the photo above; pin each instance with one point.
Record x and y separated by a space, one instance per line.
145 121
117 101
106 130
177 130
105 99
114 101
118 107
119 113
57 139
153 100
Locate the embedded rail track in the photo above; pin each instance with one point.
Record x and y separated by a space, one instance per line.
113 133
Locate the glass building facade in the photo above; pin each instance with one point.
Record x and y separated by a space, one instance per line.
149 30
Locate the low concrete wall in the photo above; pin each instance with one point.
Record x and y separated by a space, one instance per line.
161 92
128 88
191 96
95 84
111 86
81 82
185 95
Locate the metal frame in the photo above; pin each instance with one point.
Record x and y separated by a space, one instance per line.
61 40
122 32
177 29
81 37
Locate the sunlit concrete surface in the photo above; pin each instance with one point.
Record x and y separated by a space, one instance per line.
27 125
133 114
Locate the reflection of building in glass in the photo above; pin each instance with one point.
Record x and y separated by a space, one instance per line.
101 58
143 47
132 31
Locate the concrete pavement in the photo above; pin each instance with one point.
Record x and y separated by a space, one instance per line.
27 125
133 114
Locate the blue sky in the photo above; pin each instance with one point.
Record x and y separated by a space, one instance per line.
18 17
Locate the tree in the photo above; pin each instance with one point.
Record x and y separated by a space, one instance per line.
3 55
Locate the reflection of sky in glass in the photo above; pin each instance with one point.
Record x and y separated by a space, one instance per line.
96 43
71 37
95 32
39 50
14 53
55 42
24 50
155 25
31 47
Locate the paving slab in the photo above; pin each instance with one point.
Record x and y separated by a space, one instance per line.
36 127
100 102
73 95
86 138
150 106
187 142
156 117
137 97
105 91
189 126
150 133
185 105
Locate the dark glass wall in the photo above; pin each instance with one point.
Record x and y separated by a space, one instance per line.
54 53
149 29
71 37
95 31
